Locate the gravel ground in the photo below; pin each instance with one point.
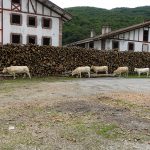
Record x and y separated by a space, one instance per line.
104 113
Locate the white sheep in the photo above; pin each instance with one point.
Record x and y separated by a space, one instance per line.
17 70
142 70
121 70
100 69
80 70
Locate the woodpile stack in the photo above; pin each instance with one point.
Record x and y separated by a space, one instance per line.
46 60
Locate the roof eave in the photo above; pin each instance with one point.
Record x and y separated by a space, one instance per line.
65 15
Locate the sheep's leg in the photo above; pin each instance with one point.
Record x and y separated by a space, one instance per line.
80 74
120 75
139 74
14 76
89 74
147 74
106 72
28 73
24 76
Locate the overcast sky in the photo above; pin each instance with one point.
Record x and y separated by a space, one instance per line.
108 4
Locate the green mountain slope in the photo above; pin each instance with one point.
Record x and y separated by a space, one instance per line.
87 18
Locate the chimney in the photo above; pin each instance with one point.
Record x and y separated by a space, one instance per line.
106 29
92 33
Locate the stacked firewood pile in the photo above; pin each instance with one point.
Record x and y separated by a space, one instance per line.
45 60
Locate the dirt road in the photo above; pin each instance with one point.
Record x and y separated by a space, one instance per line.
104 113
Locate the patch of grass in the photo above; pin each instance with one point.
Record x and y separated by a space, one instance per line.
20 80
118 102
7 86
75 130
124 103
137 77
109 131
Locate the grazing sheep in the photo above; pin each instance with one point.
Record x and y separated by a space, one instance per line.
80 70
17 70
142 70
100 69
121 70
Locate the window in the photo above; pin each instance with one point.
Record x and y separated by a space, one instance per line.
145 48
115 45
103 44
32 21
16 38
46 41
46 23
130 46
16 19
31 39
16 1
145 35
91 45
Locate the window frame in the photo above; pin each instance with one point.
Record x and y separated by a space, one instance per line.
11 16
147 47
28 16
133 46
50 44
145 30
113 44
11 39
29 35
50 20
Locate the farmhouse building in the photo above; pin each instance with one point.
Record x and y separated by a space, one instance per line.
31 22
133 38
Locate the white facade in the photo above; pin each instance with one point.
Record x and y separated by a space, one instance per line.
30 8
134 38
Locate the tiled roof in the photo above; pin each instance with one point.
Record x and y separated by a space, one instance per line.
113 33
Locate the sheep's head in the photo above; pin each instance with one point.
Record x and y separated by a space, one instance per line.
73 73
115 72
4 70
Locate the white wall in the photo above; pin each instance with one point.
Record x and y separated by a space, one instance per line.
24 30
123 45
132 36
97 45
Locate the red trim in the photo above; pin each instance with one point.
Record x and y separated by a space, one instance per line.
32 13
35 21
2 40
21 38
50 38
34 36
50 23
60 32
32 6
19 24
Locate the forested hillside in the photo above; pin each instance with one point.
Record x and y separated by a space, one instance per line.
87 18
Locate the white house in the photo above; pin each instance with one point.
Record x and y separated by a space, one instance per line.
31 21
133 38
